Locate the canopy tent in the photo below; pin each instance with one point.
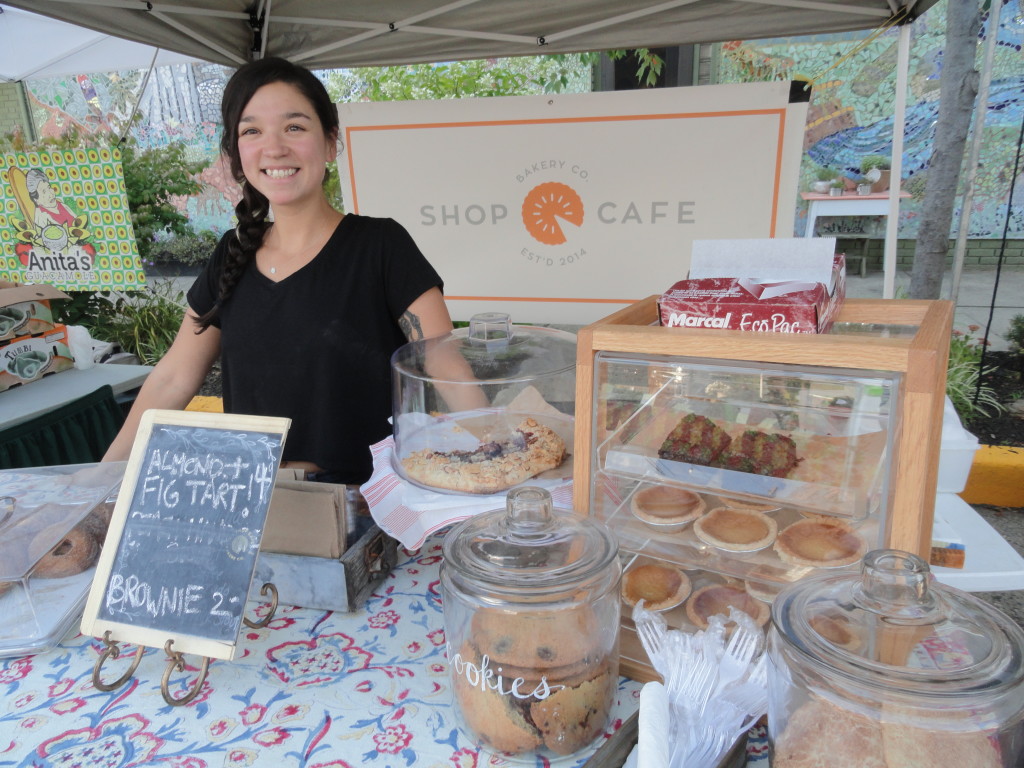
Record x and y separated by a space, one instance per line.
33 46
325 34
352 33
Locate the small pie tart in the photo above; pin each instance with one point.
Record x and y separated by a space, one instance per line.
755 506
837 630
660 586
666 505
736 530
716 599
820 542
763 592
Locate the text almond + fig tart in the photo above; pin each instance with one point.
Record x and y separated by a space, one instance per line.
820 542
660 586
666 505
716 599
736 530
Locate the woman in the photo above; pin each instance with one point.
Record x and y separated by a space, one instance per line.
304 311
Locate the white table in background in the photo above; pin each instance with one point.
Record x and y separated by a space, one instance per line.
875 204
26 402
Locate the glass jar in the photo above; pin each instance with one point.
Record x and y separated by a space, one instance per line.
531 615
890 668
485 408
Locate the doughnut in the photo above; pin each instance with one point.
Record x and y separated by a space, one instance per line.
74 553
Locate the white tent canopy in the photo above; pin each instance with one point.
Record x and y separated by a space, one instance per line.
351 33
33 46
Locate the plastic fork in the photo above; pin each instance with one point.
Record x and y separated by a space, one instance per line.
735 662
651 628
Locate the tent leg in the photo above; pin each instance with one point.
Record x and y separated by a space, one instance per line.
892 221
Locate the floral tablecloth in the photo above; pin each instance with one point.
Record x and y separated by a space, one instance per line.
313 688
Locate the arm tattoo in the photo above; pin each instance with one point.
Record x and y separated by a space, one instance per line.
410 325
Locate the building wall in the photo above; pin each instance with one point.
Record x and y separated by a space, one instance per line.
12 109
978 254
853 100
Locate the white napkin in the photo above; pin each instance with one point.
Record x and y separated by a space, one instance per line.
654 728
80 344
410 514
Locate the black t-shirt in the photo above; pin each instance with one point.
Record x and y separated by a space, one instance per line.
316 347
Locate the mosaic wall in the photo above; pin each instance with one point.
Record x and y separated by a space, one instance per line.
852 105
180 103
850 113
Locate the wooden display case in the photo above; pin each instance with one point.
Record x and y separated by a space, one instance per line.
898 341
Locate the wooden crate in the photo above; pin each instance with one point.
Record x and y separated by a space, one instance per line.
920 357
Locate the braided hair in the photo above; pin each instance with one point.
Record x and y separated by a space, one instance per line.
253 208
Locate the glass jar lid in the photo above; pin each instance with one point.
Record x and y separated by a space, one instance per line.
496 351
529 550
895 628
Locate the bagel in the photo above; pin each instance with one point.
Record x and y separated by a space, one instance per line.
74 553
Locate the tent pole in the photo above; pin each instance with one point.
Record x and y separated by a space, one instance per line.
975 150
892 221
26 108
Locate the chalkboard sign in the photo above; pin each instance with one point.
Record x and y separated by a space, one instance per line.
181 549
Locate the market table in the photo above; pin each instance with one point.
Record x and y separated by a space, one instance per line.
313 688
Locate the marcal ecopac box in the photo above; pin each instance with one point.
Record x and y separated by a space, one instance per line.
775 286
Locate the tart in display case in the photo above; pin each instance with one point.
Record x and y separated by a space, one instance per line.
53 521
485 408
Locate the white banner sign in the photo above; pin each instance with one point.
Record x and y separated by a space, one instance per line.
563 209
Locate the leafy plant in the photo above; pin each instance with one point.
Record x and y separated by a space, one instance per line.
151 178
870 162
826 174
189 248
460 79
648 64
143 323
1015 334
963 375
838 183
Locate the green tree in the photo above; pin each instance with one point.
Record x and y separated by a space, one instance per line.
463 79
958 90
152 177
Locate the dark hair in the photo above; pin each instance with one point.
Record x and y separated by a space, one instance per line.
253 208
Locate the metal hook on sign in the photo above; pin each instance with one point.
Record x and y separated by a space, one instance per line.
112 651
266 589
176 660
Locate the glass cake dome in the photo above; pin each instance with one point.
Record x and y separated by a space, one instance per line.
485 408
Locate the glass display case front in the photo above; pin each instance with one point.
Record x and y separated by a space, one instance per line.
727 480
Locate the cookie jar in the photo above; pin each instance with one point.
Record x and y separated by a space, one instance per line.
889 668
485 408
531 615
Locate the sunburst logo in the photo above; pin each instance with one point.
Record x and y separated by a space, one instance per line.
546 207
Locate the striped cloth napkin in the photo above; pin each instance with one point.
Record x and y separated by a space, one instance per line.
410 514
